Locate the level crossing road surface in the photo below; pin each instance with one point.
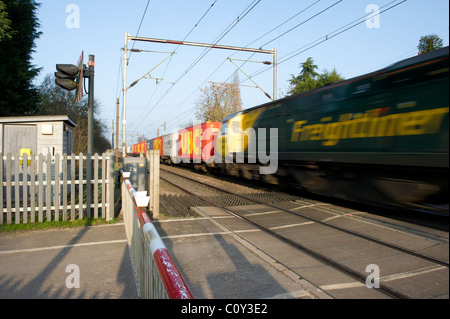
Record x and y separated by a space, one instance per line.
218 264
44 264
50 264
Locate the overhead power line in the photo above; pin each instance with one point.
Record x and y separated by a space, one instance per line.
303 22
140 24
288 31
131 51
327 37
307 47
170 60
267 33
319 41
282 24
171 57
205 52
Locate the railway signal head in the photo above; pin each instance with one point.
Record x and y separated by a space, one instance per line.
67 76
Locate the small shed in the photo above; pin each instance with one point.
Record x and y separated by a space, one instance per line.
42 134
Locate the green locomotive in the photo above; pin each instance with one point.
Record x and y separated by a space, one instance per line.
381 138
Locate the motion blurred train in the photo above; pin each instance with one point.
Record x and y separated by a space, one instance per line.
380 138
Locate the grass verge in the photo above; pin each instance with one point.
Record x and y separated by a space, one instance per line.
85 222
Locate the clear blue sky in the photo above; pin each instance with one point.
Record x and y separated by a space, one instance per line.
102 25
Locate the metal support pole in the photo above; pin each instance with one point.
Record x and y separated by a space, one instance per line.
248 77
275 68
213 46
124 110
91 105
165 41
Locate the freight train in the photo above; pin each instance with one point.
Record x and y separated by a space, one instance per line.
379 138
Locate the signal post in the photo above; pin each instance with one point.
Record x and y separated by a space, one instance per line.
71 77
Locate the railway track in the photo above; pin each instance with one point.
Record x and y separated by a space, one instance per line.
401 253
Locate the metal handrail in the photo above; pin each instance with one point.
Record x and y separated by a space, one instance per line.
170 276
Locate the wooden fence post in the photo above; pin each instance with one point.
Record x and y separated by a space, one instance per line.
48 188
156 184
41 187
33 189
16 190
57 188
110 186
25 188
72 187
1 188
96 186
150 180
88 185
64 188
80 186
8 189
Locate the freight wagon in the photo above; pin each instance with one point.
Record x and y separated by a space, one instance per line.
170 149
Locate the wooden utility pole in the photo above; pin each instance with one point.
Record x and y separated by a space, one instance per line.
117 132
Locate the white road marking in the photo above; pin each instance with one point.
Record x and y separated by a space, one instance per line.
62 247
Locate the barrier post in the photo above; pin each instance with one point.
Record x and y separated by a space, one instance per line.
153 182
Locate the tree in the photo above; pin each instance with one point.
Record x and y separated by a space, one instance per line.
56 101
5 23
328 77
309 70
218 101
309 79
19 30
430 43
306 80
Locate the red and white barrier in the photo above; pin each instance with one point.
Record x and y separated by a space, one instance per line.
174 284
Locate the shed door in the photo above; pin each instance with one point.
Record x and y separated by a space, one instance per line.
17 137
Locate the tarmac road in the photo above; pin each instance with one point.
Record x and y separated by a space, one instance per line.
76 263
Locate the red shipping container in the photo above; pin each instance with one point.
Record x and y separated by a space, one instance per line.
185 144
158 145
139 147
196 144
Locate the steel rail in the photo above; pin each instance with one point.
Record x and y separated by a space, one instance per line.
352 273
350 232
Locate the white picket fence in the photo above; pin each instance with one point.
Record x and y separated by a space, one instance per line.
53 188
